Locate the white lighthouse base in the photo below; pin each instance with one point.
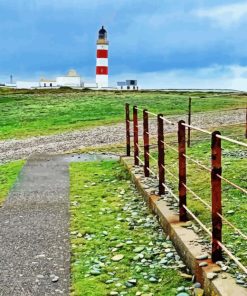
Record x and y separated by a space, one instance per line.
102 81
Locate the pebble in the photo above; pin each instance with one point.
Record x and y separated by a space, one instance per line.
202 257
54 278
203 264
117 258
183 294
197 285
198 292
180 289
240 282
95 272
153 280
211 275
139 249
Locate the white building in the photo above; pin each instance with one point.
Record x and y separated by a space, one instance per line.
128 85
72 79
27 84
47 83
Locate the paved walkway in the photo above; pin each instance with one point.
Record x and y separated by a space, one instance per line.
34 229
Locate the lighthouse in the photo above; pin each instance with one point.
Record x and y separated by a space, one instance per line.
102 59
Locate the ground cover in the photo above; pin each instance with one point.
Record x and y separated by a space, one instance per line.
234 163
40 113
8 175
117 246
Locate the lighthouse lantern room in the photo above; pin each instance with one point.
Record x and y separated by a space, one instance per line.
102 59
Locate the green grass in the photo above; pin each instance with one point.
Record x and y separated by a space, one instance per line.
97 204
8 175
32 113
234 163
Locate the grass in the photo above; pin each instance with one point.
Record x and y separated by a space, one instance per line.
32 113
234 163
8 175
99 191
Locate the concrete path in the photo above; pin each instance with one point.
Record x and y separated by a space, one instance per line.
34 229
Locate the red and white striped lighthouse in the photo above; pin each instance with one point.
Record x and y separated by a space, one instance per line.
102 59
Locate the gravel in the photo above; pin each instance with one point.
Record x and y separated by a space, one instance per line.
102 135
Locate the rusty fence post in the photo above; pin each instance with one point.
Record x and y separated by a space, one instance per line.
216 196
182 170
189 123
135 127
161 154
146 143
127 121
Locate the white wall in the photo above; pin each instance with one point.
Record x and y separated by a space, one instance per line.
27 84
48 84
69 81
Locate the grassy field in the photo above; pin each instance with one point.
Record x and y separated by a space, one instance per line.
30 113
8 175
101 229
234 163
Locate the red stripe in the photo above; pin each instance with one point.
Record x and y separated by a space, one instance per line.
102 53
102 70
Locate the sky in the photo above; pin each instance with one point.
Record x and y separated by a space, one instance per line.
162 43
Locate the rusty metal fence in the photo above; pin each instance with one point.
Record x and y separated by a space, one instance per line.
215 172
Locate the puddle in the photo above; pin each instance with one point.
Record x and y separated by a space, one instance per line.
89 157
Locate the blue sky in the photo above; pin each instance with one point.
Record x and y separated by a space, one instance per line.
162 43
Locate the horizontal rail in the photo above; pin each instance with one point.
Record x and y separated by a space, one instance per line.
233 184
140 160
153 158
197 128
197 162
151 113
152 172
231 140
224 248
167 120
169 146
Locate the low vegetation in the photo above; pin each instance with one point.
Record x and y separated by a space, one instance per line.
234 165
8 175
117 245
31 113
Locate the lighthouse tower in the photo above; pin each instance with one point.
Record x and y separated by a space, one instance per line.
102 59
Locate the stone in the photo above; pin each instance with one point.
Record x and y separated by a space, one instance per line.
240 282
95 272
169 255
117 258
198 292
133 281
203 264
186 276
139 249
181 289
197 285
153 280
211 275
54 278
183 294
202 257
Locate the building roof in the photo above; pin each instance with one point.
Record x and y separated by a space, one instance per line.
72 73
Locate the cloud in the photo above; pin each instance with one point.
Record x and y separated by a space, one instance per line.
224 15
214 77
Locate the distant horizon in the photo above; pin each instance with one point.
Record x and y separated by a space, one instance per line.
163 45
